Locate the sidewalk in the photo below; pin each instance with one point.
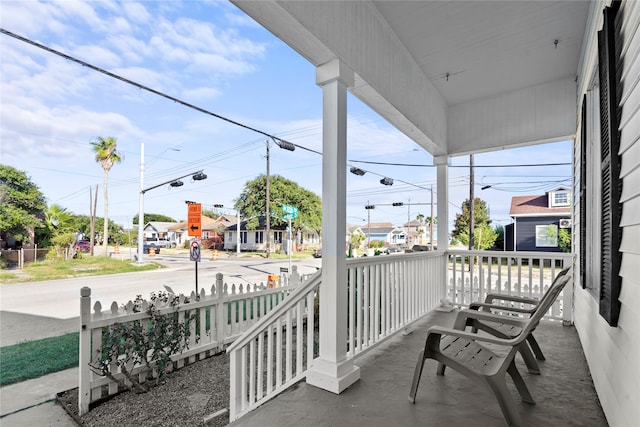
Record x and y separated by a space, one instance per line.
33 402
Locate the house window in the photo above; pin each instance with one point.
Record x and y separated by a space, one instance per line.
230 237
277 236
243 237
205 234
259 237
547 236
560 198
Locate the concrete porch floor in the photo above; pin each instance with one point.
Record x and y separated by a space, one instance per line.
564 392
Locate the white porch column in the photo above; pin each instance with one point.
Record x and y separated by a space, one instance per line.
332 371
442 171
442 177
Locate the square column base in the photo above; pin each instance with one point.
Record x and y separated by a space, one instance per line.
331 376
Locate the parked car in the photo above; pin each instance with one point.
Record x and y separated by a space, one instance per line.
317 253
83 246
151 247
396 248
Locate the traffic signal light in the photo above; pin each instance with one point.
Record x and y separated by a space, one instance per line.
218 205
397 204
370 207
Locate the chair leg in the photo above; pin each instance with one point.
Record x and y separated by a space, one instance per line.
416 377
528 358
525 395
506 402
535 347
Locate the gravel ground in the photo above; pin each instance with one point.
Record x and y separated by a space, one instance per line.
189 397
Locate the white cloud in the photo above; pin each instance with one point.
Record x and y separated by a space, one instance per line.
200 94
137 12
98 56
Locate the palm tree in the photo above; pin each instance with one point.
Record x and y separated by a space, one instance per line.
107 155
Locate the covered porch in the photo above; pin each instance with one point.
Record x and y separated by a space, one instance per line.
459 78
564 392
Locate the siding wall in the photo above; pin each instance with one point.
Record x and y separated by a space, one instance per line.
526 234
612 352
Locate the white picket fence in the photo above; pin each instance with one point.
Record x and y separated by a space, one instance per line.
223 315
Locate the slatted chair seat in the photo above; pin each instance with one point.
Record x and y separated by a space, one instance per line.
476 357
469 354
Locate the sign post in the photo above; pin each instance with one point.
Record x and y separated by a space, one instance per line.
194 228
195 256
290 212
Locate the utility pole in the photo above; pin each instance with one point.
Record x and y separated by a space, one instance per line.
268 219
471 204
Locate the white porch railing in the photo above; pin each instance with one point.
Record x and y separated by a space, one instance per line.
385 293
527 274
222 316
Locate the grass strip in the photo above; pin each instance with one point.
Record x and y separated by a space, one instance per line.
32 359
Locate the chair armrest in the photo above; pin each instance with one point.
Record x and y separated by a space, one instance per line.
463 315
515 298
439 330
487 307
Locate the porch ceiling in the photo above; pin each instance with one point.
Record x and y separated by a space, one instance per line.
402 51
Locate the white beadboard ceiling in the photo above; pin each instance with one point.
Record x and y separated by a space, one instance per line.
489 47
420 63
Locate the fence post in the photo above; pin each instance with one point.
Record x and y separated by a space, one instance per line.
221 324
84 392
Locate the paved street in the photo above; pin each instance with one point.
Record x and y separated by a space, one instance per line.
53 307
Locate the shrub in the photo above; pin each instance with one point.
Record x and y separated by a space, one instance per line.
147 343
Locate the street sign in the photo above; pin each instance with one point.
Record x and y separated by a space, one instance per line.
194 224
194 251
290 212
284 270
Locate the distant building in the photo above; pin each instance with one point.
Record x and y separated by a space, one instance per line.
537 220
384 231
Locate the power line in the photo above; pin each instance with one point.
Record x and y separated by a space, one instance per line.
156 92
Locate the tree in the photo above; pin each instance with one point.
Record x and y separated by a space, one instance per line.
21 203
484 236
252 203
564 239
153 217
106 155
62 229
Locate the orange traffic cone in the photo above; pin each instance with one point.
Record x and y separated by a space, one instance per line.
214 257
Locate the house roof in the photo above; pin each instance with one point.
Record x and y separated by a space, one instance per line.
208 224
536 206
159 226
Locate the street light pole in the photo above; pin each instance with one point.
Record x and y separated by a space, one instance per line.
197 176
268 218
141 206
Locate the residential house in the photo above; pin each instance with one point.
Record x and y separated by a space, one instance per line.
157 231
471 77
537 221
385 232
212 231
419 233
254 239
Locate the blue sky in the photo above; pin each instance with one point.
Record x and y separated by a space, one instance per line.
210 54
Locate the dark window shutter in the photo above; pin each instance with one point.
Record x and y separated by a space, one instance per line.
583 194
610 168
